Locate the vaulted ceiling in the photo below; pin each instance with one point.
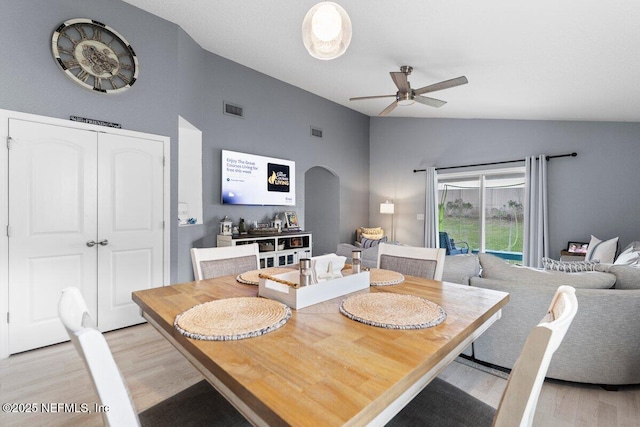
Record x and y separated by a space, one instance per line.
534 60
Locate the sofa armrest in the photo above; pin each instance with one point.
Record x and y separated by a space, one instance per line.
459 268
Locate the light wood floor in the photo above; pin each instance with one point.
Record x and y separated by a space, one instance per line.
154 370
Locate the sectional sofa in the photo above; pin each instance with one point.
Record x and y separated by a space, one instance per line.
603 344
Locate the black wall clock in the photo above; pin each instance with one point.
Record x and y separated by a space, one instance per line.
95 56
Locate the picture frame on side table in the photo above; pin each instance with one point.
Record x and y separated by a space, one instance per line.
577 247
291 219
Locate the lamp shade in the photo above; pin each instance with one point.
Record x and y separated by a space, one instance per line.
387 208
326 31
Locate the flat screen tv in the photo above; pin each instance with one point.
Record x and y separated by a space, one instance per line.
248 179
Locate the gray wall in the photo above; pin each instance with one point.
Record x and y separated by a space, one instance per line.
323 208
594 193
177 77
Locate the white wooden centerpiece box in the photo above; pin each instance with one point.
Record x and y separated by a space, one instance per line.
305 296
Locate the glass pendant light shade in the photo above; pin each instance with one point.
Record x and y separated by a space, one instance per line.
326 31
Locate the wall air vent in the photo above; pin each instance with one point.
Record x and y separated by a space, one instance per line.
233 110
317 132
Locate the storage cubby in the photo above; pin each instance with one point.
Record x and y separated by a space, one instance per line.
276 250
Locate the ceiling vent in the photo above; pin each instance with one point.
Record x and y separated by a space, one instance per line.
317 132
233 110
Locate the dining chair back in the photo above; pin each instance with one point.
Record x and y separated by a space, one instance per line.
209 263
520 397
199 404
412 261
442 404
93 349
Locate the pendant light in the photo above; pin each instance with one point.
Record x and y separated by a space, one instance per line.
326 31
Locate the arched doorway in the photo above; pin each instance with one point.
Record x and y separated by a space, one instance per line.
322 208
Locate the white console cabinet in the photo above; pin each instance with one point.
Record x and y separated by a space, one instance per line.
276 250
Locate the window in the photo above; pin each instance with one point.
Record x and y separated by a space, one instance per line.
485 210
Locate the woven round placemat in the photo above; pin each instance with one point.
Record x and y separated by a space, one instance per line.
232 319
251 277
379 277
393 311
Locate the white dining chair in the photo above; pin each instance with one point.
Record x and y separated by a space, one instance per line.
412 261
223 261
442 404
197 405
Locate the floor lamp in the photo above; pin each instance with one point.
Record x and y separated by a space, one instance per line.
387 208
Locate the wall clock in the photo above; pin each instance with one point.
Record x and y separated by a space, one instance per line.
95 56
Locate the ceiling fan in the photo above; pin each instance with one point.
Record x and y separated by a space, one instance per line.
407 96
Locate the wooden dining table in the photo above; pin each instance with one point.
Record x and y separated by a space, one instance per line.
322 368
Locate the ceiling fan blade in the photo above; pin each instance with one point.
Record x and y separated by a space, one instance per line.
432 102
442 85
400 79
358 98
389 109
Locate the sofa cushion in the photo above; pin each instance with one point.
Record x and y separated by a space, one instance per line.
496 268
627 276
603 250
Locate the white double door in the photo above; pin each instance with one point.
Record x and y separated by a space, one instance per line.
85 210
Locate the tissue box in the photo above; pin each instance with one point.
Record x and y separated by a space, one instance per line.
312 294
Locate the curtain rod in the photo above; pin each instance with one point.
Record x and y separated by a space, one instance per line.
497 163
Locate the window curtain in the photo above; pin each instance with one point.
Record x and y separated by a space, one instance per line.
536 217
431 239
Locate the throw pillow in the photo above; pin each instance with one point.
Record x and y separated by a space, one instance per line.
569 266
367 243
632 247
605 250
371 236
630 258
371 230
630 255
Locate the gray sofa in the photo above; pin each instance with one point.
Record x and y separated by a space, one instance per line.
603 344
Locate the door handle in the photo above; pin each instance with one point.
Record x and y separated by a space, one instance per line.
92 243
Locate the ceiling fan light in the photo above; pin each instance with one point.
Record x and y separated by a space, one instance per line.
326 31
406 102
405 99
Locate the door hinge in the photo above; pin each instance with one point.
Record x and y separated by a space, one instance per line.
164 161
7 317
9 139
8 231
